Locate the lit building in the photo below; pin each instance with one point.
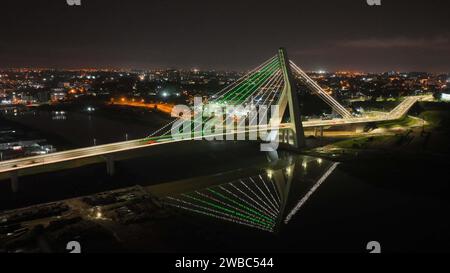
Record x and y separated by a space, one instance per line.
58 94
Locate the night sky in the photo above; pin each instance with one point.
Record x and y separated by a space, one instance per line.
404 35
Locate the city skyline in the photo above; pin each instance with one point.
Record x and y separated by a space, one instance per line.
237 131
232 36
28 69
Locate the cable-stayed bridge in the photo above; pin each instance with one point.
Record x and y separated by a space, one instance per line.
271 83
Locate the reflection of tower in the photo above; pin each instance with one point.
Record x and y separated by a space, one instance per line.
260 201
282 179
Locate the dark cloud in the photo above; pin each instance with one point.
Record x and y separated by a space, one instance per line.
432 43
232 34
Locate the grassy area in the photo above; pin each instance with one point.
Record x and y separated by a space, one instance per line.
437 114
351 143
399 136
405 122
382 99
363 142
436 118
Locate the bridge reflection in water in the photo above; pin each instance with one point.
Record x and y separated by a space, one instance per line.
266 200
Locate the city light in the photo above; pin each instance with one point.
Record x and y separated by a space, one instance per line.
102 104
445 97
288 170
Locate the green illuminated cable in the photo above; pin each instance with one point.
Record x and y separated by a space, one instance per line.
252 84
239 221
241 205
245 84
260 77
265 73
259 84
221 202
232 212
214 213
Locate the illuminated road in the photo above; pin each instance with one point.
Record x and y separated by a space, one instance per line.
101 150
397 113
104 150
166 108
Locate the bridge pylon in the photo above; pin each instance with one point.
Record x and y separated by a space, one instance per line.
289 99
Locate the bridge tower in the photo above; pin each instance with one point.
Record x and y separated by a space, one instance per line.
289 99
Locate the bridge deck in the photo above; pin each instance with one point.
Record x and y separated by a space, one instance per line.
104 150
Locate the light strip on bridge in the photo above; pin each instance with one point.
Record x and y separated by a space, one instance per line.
310 192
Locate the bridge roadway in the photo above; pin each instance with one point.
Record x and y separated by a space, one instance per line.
105 150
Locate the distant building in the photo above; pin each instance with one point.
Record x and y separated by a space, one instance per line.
64 84
445 96
58 94
27 97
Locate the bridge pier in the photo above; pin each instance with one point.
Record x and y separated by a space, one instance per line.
14 176
110 168
318 130
359 129
284 136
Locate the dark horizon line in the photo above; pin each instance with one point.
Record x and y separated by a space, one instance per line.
217 70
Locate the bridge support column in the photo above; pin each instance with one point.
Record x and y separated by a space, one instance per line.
289 98
110 168
284 137
359 129
283 180
14 176
321 132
